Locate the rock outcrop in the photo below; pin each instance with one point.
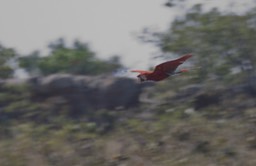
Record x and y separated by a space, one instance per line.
88 92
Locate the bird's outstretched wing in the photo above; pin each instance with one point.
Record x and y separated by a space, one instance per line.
171 66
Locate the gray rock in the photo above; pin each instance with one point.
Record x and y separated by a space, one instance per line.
88 92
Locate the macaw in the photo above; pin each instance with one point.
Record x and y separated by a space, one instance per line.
163 70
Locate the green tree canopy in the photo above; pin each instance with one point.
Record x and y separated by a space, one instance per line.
6 54
77 59
219 41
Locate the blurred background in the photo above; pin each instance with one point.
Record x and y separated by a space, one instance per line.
67 96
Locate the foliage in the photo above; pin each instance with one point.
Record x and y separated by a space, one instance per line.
219 41
31 63
6 54
78 59
40 131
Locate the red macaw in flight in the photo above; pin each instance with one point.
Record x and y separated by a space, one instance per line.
163 70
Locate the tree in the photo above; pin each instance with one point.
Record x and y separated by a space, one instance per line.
31 63
219 41
6 54
77 59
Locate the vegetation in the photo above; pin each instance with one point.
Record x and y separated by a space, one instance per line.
221 42
6 54
78 59
213 36
206 117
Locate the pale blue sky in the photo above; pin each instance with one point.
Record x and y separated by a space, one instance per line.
107 25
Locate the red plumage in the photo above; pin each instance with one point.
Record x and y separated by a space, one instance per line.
162 70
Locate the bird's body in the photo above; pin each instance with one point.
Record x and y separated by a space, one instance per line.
163 70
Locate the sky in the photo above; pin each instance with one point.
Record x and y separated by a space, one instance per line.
108 26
